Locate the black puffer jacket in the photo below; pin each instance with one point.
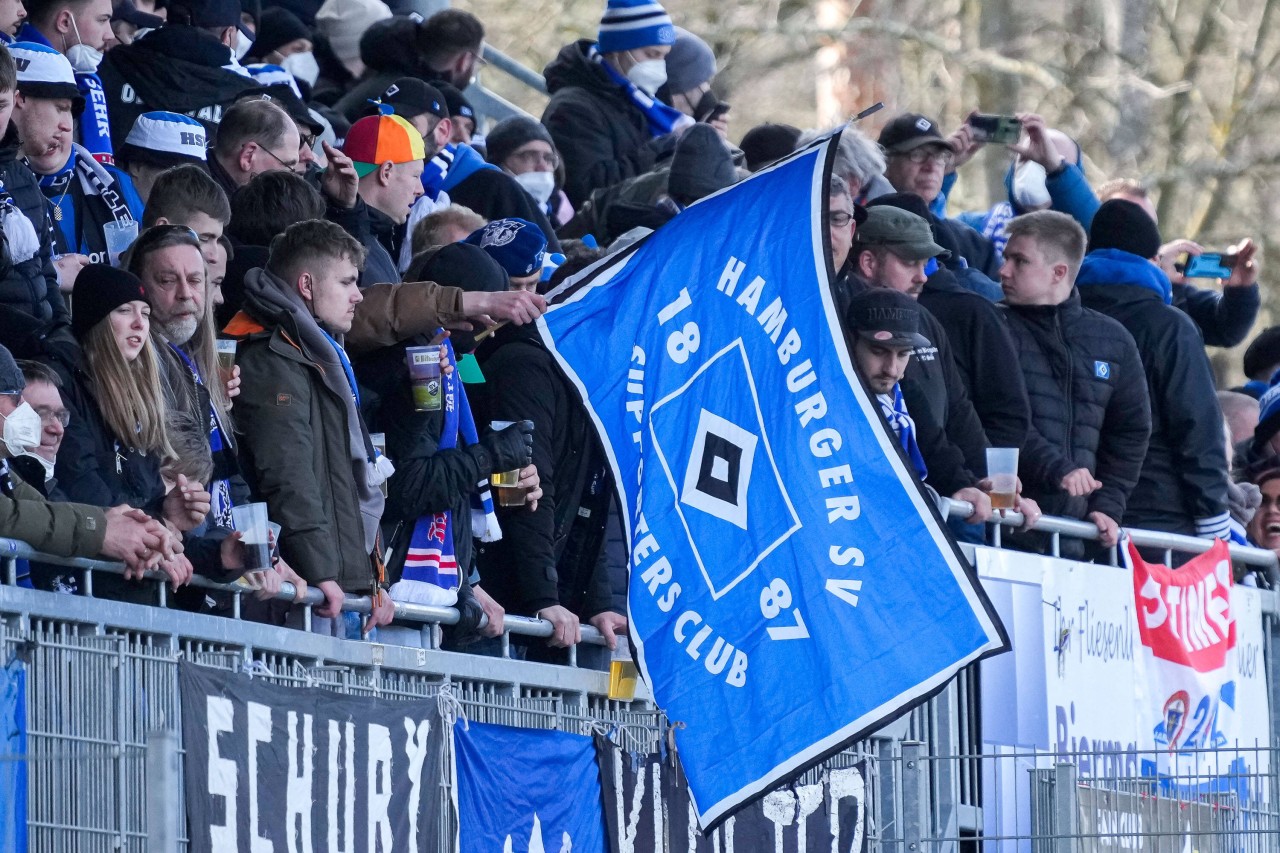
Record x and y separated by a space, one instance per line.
174 68
601 136
32 285
554 555
1089 405
1183 486
985 356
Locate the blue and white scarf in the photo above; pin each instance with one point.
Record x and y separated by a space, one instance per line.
894 410
219 490
430 574
662 118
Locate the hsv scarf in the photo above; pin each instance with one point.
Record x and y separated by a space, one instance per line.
220 490
894 410
662 118
430 573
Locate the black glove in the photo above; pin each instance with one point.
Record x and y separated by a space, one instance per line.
506 449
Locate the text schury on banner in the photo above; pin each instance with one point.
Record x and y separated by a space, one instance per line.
791 587
284 768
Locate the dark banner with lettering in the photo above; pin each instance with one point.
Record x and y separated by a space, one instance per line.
647 808
270 767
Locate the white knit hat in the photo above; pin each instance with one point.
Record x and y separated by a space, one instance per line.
343 22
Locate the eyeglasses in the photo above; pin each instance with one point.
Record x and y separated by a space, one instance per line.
536 158
919 155
291 166
48 415
307 140
839 218
480 60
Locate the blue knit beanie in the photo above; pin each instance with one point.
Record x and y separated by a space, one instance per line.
516 244
629 24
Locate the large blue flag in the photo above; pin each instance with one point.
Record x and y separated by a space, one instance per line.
792 587
527 790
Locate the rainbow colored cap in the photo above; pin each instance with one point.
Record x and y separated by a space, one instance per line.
379 139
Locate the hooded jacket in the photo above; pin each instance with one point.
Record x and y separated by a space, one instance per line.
1089 405
173 68
601 136
389 50
1183 484
984 355
554 555
493 193
31 286
305 449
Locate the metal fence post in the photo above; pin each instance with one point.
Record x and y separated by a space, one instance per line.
915 808
162 785
1066 818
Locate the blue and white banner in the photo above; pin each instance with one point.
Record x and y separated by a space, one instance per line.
13 749
792 586
527 790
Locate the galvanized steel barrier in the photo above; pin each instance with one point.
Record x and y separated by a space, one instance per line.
102 682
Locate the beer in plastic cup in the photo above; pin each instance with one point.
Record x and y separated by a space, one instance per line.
275 540
119 236
424 377
1002 470
506 484
251 521
226 356
622 673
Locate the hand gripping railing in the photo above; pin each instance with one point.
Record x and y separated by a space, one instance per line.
1057 527
433 618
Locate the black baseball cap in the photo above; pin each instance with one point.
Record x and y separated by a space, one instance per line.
887 317
411 97
216 13
909 131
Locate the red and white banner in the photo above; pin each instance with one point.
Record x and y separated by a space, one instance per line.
1187 636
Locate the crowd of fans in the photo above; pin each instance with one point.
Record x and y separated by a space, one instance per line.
233 234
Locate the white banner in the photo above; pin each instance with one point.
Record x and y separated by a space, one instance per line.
1073 686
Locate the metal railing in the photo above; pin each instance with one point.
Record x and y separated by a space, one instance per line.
431 620
102 678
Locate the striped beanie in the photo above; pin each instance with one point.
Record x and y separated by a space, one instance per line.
629 24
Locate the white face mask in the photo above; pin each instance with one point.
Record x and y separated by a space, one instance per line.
649 74
1030 187
302 66
21 429
242 46
83 58
540 185
44 463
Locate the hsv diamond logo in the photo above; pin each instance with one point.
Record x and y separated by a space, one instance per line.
719 469
724 473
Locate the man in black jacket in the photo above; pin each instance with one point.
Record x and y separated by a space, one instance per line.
980 344
181 67
550 562
1091 416
1183 485
602 115
439 472
890 250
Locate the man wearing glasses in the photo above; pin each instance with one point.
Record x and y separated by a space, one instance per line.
918 159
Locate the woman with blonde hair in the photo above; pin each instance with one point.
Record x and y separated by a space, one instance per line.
115 441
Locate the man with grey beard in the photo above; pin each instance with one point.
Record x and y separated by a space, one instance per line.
168 260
